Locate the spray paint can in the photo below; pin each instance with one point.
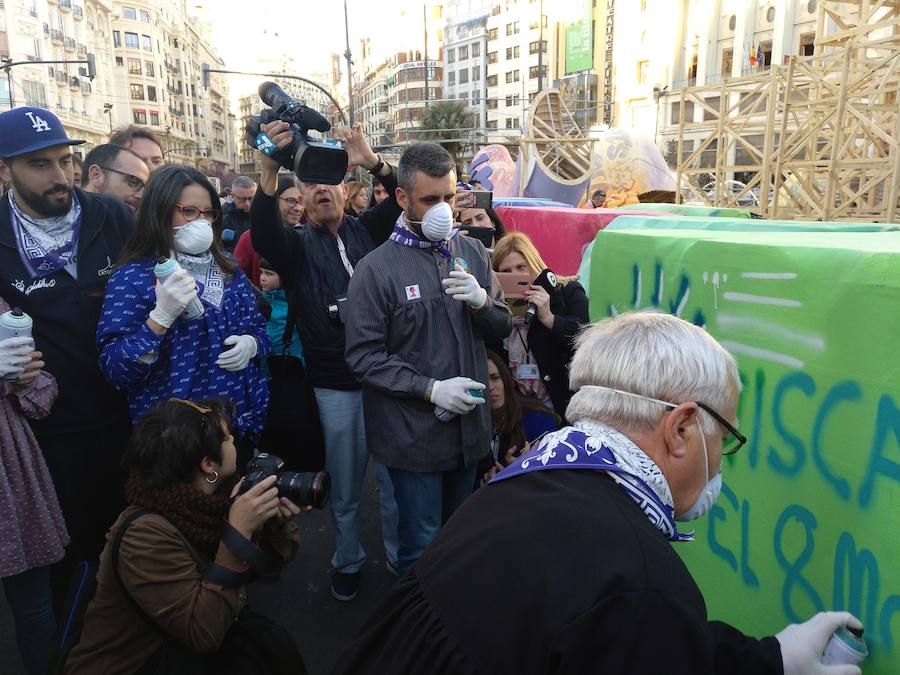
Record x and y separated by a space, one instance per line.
445 415
846 647
14 323
166 267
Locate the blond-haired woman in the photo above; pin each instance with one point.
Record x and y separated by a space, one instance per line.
539 352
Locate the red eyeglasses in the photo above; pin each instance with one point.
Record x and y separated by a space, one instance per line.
192 212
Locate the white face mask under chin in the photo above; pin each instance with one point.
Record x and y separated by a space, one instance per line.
710 492
194 238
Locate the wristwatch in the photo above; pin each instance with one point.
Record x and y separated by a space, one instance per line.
378 167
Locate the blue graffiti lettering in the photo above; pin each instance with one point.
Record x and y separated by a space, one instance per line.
747 574
793 576
804 383
718 513
759 387
891 606
857 569
888 420
842 391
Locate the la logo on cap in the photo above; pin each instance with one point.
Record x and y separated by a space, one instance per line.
38 123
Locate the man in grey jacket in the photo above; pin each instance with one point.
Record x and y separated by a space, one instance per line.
418 317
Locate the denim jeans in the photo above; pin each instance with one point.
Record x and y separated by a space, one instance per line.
31 602
425 502
346 458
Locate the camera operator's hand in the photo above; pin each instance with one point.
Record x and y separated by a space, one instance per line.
281 135
359 152
251 510
287 509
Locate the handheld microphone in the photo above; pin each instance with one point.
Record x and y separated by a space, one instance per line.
547 281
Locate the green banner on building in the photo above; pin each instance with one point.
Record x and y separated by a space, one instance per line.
809 516
580 40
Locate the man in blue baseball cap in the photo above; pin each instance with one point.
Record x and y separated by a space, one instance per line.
58 246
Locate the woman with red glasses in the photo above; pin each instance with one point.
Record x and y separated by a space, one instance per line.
154 349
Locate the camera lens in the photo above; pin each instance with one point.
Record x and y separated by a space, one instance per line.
305 489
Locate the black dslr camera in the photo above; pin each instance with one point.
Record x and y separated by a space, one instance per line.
304 489
311 162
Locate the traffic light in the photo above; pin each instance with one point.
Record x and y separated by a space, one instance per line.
91 67
204 70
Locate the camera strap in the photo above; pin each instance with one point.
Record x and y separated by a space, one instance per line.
342 250
243 548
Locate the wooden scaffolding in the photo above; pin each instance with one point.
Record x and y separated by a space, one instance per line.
818 138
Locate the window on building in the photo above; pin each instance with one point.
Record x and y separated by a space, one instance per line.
137 92
492 81
642 5
643 71
463 53
533 72
807 44
512 52
492 104
131 40
148 43
463 76
714 102
154 118
476 49
140 116
145 16
692 72
476 97
688 111
770 15
511 101
134 66
35 96
476 73
117 39
492 124
492 57
129 13
534 25
509 29
492 34
149 69
727 62
533 46
515 27
512 76
451 78
151 93
511 122
451 55
766 60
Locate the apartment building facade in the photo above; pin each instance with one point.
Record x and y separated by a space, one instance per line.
465 64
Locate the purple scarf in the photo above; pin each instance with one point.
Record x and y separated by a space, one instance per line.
406 237
43 258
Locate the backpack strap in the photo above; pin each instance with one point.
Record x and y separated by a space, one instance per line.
117 543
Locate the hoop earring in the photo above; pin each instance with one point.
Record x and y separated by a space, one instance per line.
215 477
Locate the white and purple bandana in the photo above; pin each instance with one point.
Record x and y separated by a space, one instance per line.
48 244
598 447
406 237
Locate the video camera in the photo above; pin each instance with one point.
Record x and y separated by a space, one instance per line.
311 162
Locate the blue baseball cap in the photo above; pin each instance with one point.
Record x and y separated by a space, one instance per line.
24 130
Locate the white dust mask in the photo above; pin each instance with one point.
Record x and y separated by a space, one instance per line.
437 223
194 238
710 492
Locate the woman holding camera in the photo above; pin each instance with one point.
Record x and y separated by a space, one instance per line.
149 345
540 350
179 586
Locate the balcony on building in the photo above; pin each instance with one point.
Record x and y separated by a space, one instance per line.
82 50
61 78
78 12
65 5
70 44
56 36
46 28
85 87
74 83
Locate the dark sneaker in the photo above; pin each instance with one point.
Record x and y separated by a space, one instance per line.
344 585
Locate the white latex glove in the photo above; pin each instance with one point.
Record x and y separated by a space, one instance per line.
802 644
463 286
172 296
239 355
453 394
15 353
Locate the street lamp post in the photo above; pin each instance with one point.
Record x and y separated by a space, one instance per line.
347 56
541 48
107 110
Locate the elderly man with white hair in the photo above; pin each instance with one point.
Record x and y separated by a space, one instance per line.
563 563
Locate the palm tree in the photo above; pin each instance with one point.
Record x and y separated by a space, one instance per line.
447 120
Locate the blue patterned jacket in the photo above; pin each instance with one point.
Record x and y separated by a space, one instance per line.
183 361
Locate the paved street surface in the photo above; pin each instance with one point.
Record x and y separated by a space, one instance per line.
301 598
